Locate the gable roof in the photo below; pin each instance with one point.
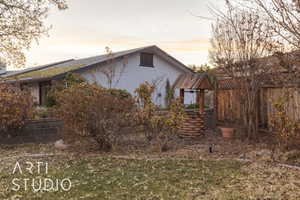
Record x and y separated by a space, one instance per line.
193 81
60 69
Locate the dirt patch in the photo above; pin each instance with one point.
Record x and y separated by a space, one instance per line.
213 146
210 146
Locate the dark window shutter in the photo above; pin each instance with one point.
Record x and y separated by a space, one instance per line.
146 60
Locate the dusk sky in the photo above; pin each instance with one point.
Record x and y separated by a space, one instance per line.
87 27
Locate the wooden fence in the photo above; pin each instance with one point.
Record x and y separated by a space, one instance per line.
292 107
229 108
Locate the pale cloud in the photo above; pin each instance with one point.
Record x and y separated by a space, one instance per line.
197 45
183 45
87 27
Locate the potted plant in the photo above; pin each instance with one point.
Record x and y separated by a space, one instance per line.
227 130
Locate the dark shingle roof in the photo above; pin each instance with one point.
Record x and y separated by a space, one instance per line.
72 65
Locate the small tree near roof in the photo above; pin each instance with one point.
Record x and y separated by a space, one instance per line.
170 93
113 72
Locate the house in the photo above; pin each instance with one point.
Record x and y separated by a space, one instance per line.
123 70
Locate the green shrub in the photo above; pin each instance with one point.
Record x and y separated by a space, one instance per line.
193 106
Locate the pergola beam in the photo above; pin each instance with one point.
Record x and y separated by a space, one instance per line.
201 100
181 95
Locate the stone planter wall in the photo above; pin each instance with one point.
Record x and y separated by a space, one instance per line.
36 131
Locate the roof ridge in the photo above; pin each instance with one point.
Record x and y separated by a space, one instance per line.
118 52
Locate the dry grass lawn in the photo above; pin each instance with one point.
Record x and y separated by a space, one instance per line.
182 174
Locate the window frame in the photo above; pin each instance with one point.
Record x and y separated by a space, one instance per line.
144 62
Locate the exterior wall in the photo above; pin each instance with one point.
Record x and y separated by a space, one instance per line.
129 75
35 92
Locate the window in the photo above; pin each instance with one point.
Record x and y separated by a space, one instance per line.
146 60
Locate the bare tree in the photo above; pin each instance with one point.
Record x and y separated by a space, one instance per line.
21 22
284 16
240 39
284 20
112 72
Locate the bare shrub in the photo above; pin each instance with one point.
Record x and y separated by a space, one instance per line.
68 81
285 128
157 126
96 112
16 107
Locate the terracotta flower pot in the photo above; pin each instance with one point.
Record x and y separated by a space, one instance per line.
227 132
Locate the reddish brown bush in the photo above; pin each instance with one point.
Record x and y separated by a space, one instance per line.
93 111
16 107
157 126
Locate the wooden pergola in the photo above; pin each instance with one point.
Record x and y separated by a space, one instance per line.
198 82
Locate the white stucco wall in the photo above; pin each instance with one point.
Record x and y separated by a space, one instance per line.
129 75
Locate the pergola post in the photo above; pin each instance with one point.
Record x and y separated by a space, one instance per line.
201 101
216 103
181 95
